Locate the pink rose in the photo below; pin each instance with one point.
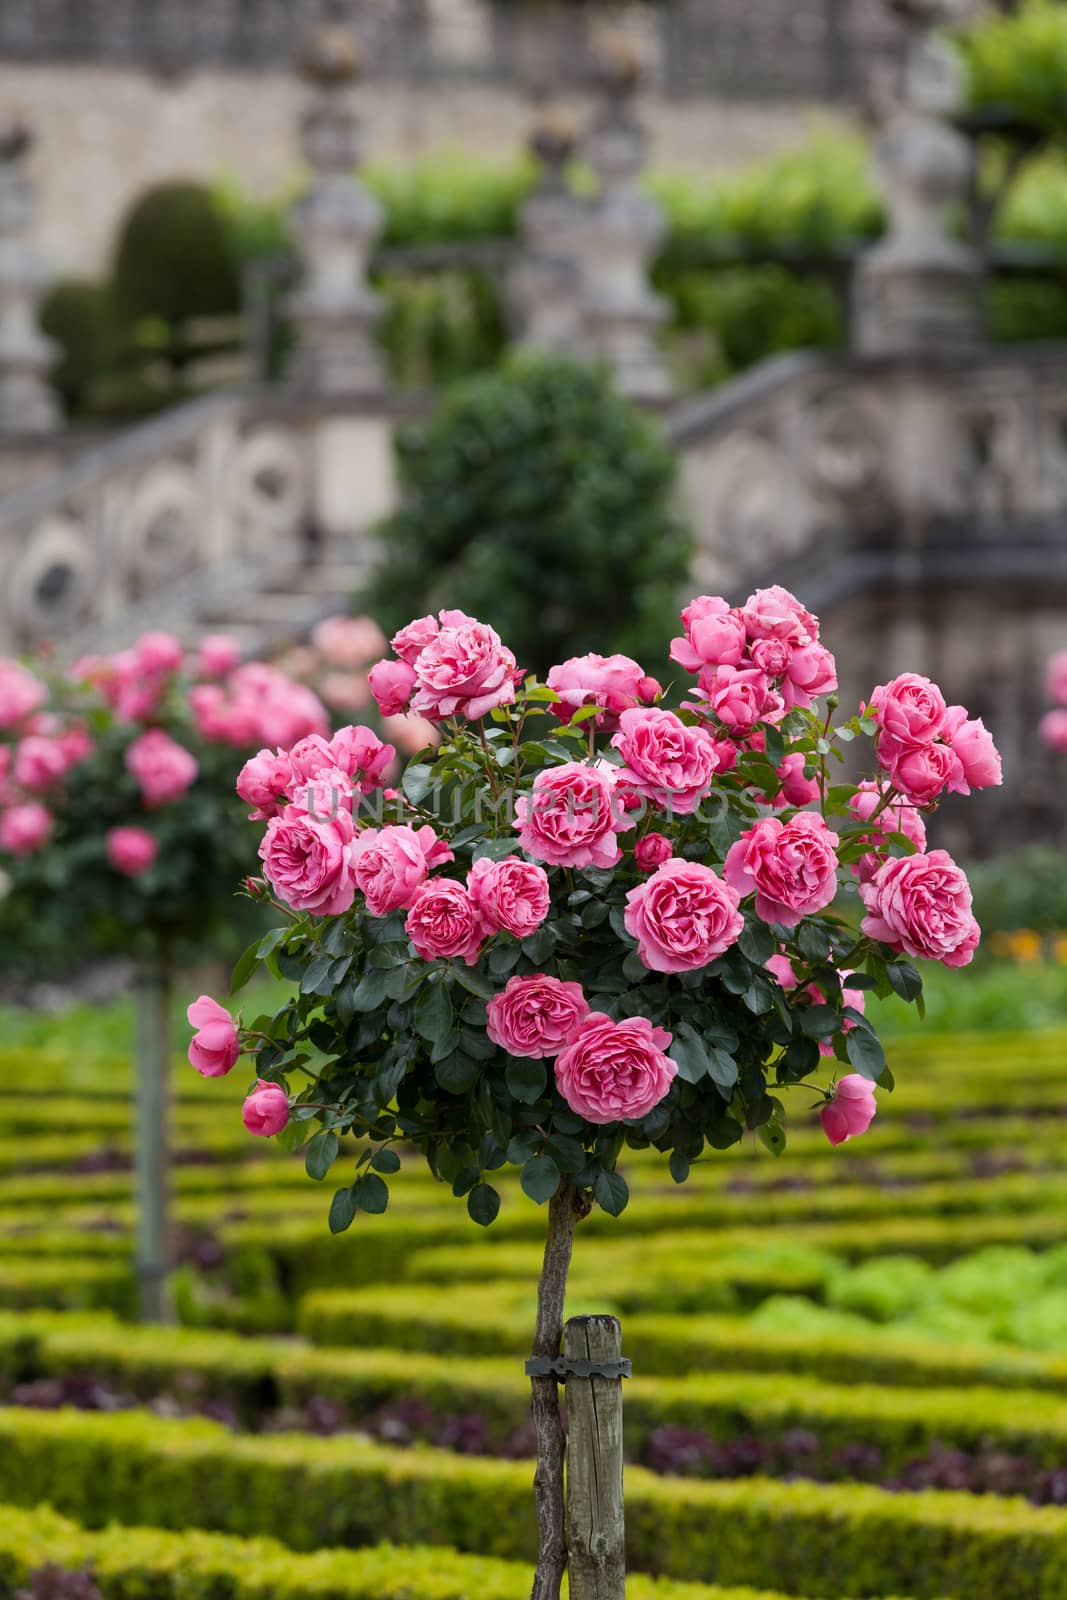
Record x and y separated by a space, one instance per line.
772 656
615 683
665 761
922 772
24 828
536 1016
312 755
163 769
360 753
158 653
444 922
218 655
714 635
1056 678
410 734
812 672
850 1110
921 905
131 850
1053 731
392 683
856 998
20 693
265 781
898 817
346 691
781 968
615 1071
740 697
214 1047
325 795
411 641
796 790
652 851
76 744
40 763
512 894
791 867
910 711
390 863
774 613
463 671
266 1111
308 861
683 917
348 641
572 817
972 744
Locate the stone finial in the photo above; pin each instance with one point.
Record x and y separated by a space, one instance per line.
334 225
27 402
545 284
620 234
919 288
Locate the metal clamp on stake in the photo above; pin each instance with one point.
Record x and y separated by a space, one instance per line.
564 1367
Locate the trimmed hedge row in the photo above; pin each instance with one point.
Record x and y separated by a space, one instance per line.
67 1285
901 1422
826 1540
132 1563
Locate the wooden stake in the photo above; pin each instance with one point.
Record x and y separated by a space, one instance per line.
595 1525
152 1070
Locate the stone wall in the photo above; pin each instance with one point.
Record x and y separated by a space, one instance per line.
105 132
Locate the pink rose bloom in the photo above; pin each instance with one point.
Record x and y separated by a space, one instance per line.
714 635
1053 731
308 861
571 818
922 772
24 828
536 1016
921 906
218 655
348 641
652 851
740 697
512 895
158 653
464 671
910 711
615 683
781 968
772 656
265 781
131 850
40 763
856 998
665 761
851 1109
312 755
411 641
978 756
791 867
683 917
76 744
796 790
812 672
1056 678
444 922
360 753
392 683
163 769
327 794
774 613
615 1071
898 817
214 1047
20 693
390 863
266 1111
410 734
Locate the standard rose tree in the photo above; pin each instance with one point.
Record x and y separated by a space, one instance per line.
589 922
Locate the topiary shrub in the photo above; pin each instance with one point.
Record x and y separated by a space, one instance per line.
80 316
172 259
537 499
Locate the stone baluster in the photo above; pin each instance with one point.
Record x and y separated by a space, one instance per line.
546 282
619 237
919 288
27 402
334 226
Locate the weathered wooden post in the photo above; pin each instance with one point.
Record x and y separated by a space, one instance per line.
594 1367
151 1092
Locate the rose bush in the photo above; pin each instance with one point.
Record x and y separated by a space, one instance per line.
588 920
